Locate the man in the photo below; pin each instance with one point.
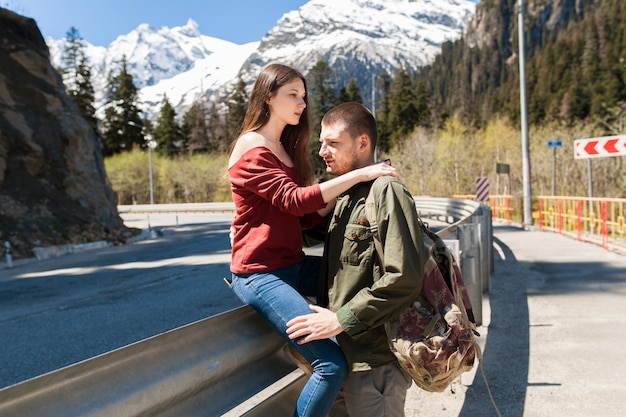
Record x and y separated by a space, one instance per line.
362 295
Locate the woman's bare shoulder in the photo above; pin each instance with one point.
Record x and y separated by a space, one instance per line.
245 142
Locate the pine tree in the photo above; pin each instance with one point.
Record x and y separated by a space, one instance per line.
321 94
321 97
217 131
403 115
122 125
167 133
349 93
194 128
237 104
422 104
77 76
382 114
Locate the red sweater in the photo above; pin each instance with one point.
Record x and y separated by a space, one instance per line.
272 207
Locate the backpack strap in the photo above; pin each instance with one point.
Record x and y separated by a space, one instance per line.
370 214
438 250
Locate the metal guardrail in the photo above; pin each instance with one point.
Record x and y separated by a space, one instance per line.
178 208
469 230
202 369
231 364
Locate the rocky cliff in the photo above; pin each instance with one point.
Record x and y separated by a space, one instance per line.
53 186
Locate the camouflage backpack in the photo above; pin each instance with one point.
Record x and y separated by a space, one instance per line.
433 338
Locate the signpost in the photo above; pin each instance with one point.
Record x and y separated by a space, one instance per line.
502 169
600 147
482 189
554 144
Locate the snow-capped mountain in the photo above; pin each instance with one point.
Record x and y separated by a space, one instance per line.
360 37
178 62
357 38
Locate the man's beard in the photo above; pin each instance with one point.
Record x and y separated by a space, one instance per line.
344 168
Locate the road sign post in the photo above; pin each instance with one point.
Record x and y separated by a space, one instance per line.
554 144
502 169
482 189
600 147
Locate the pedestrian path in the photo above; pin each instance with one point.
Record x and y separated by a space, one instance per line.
553 333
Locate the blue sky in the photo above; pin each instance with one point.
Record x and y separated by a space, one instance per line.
101 21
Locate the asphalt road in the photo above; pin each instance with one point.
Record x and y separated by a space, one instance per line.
552 328
60 311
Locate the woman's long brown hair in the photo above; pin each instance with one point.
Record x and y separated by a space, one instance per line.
295 138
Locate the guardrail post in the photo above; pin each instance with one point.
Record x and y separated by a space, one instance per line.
7 254
469 237
486 245
453 245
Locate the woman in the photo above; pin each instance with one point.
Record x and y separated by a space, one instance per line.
270 170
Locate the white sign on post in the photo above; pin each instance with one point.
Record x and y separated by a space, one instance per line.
600 147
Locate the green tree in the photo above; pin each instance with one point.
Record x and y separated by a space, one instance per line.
321 93
349 93
194 128
237 104
382 113
321 97
216 130
122 127
422 104
403 115
76 75
456 157
167 133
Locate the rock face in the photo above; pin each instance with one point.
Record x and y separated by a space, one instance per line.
53 186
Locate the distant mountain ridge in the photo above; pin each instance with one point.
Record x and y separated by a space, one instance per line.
357 38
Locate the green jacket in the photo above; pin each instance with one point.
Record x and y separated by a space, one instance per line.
363 295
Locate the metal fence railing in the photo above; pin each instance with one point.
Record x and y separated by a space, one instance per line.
597 220
601 221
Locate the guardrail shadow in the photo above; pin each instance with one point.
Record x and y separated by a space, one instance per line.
506 352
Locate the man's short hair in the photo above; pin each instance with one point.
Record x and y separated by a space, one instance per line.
357 118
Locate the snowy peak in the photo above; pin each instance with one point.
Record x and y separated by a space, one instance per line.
163 61
155 54
208 76
381 18
357 38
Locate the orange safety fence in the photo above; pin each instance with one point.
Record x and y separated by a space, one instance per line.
503 207
601 221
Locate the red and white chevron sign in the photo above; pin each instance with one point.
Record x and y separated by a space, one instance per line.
600 147
482 189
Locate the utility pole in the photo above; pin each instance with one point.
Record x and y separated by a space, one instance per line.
373 95
151 144
374 111
528 218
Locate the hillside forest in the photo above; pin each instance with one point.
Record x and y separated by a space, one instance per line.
442 125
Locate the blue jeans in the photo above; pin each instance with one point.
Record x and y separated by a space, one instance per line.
278 297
